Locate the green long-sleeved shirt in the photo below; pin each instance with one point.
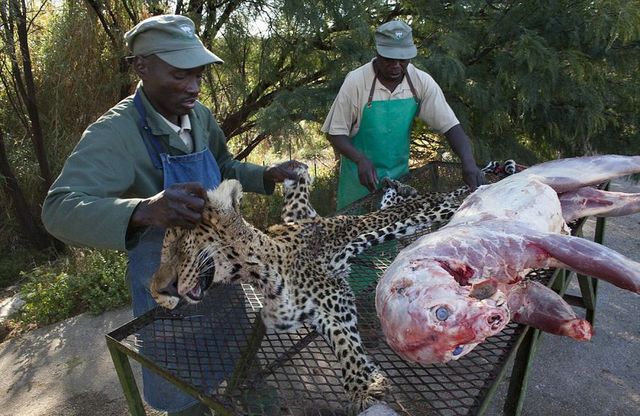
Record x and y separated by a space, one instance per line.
110 172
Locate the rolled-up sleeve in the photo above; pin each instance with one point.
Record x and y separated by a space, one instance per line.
434 108
345 111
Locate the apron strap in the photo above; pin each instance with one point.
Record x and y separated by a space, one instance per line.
413 90
373 87
151 142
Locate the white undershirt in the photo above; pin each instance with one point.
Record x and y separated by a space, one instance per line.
183 130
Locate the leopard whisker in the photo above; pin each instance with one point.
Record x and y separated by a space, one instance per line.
205 258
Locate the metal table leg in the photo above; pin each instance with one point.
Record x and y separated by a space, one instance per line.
520 373
127 380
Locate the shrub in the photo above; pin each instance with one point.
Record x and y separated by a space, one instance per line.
101 281
48 296
88 281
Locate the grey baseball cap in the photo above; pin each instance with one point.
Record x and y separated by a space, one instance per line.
395 41
171 38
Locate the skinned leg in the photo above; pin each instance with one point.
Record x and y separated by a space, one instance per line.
589 201
570 174
534 304
591 259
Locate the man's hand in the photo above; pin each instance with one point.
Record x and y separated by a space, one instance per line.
366 170
473 176
367 174
180 205
282 171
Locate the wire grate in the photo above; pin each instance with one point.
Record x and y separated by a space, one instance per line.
296 373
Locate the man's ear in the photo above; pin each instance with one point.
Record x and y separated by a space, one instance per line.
140 65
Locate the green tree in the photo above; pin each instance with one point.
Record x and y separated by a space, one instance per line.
17 77
536 79
531 80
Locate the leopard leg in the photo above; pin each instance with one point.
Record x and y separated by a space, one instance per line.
296 204
402 228
337 322
395 192
507 168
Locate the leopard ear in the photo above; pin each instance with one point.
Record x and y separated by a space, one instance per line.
226 196
236 196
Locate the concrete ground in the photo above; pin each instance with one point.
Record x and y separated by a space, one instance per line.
65 369
600 377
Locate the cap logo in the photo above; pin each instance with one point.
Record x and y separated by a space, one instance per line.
187 30
399 35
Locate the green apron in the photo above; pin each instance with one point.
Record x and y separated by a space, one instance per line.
383 137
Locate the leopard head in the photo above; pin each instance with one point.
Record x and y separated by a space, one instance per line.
192 260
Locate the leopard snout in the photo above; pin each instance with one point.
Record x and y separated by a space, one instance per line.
170 290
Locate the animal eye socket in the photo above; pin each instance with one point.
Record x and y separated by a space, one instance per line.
442 313
458 350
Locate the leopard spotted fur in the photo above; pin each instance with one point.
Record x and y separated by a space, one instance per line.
300 266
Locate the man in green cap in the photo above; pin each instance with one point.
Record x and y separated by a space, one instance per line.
370 120
145 165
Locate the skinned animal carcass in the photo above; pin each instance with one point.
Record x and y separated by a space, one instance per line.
451 289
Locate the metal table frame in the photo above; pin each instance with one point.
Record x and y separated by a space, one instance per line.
521 352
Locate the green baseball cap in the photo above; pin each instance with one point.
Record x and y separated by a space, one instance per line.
394 40
171 38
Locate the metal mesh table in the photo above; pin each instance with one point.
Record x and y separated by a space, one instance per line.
297 373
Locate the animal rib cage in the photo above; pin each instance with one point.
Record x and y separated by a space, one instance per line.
296 373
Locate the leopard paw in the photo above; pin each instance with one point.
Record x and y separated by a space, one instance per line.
370 392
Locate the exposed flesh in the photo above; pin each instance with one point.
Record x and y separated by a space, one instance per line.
500 233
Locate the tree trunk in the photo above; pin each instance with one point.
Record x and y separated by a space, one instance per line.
19 9
10 186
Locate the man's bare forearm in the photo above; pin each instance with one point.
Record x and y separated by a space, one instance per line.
342 144
460 144
366 170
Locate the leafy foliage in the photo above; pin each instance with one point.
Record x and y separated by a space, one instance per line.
77 83
539 79
92 281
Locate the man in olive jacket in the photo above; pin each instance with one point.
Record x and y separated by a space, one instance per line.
146 164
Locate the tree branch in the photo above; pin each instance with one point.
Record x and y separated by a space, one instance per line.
232 124
244 153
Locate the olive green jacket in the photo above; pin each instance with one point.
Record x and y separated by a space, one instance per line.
110 172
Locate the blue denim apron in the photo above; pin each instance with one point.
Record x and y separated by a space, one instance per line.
144 258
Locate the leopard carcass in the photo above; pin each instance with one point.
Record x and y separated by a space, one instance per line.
451 289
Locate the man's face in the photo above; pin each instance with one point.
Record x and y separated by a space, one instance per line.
391 69
172 91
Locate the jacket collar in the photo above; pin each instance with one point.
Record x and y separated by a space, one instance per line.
163 131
